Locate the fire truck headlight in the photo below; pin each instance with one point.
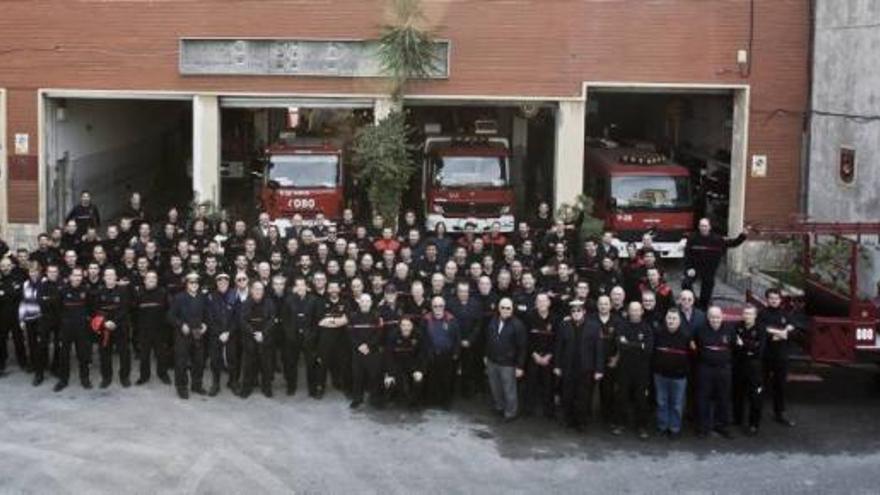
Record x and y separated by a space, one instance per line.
505 209
438 209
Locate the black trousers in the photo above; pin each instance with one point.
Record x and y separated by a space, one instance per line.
334 356
189 359
577 397
9 324
38 345
775 377
49 328
119 341
713 396
232 351
441 379
707 286
538 389
406 388
256 357
472 372
79 338
366 374
748 383
608 395
222 356
290 355
632 395
154 341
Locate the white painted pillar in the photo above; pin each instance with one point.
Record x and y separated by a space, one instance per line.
739 171
568 170
381 108
206 148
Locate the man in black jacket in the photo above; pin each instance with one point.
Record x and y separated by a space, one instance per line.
223 306
635 345
112 304
189 317
365 329
579 361
10 295
672 347
468 315
299 315
151 306
542 325
778 325
703 255
405 364
74 330
748 380
714 342
85 214
505 339
256 320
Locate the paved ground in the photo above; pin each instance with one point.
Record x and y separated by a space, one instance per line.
144 440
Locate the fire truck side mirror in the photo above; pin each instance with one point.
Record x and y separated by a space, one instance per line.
273 184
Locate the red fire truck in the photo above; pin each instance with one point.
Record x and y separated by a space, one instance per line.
636 190
467 179
305 177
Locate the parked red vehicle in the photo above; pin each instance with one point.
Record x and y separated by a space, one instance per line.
467 179
635 190
303 177
838 299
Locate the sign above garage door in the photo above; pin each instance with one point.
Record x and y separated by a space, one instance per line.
291 57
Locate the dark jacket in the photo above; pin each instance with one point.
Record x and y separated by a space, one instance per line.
188 309
151 308
299 318
468 316
672 353
507 347
579 347
715 347
404 354
442 335
257 317
703 253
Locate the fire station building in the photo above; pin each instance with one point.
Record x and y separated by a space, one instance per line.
162 97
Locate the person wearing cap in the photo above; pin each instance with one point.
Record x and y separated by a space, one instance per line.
151 306
505 341
579 361
222 307
390 311
189 316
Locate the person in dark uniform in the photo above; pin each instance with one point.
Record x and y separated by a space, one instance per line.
748 379
10 295
778 325
151 308
505 339
405 364
189 319
702 256
74 330
714 342
50 311
541 327
256 320
112 306
222 325
607 324
467 312
299 314
365 328
443 341
579 361
334 345
85 214
635 346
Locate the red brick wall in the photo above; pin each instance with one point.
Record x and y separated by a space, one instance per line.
499 47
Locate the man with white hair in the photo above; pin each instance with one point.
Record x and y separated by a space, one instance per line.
365 329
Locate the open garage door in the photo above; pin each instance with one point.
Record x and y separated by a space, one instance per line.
113 147
661 158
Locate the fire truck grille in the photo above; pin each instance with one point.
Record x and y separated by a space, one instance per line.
659 236
472 209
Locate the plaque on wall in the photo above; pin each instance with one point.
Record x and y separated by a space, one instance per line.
291 57
847 165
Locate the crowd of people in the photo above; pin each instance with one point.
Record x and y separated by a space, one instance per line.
539 318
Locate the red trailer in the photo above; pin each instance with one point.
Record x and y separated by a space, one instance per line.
839 271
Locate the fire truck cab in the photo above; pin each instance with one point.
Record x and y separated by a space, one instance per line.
636 190
304 177
467 179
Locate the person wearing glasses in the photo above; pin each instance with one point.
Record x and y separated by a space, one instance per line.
443 340
505 339
189 317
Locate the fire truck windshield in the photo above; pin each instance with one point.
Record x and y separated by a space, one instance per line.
304 170
651 192
463 171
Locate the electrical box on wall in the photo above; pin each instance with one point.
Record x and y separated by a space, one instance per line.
759 165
